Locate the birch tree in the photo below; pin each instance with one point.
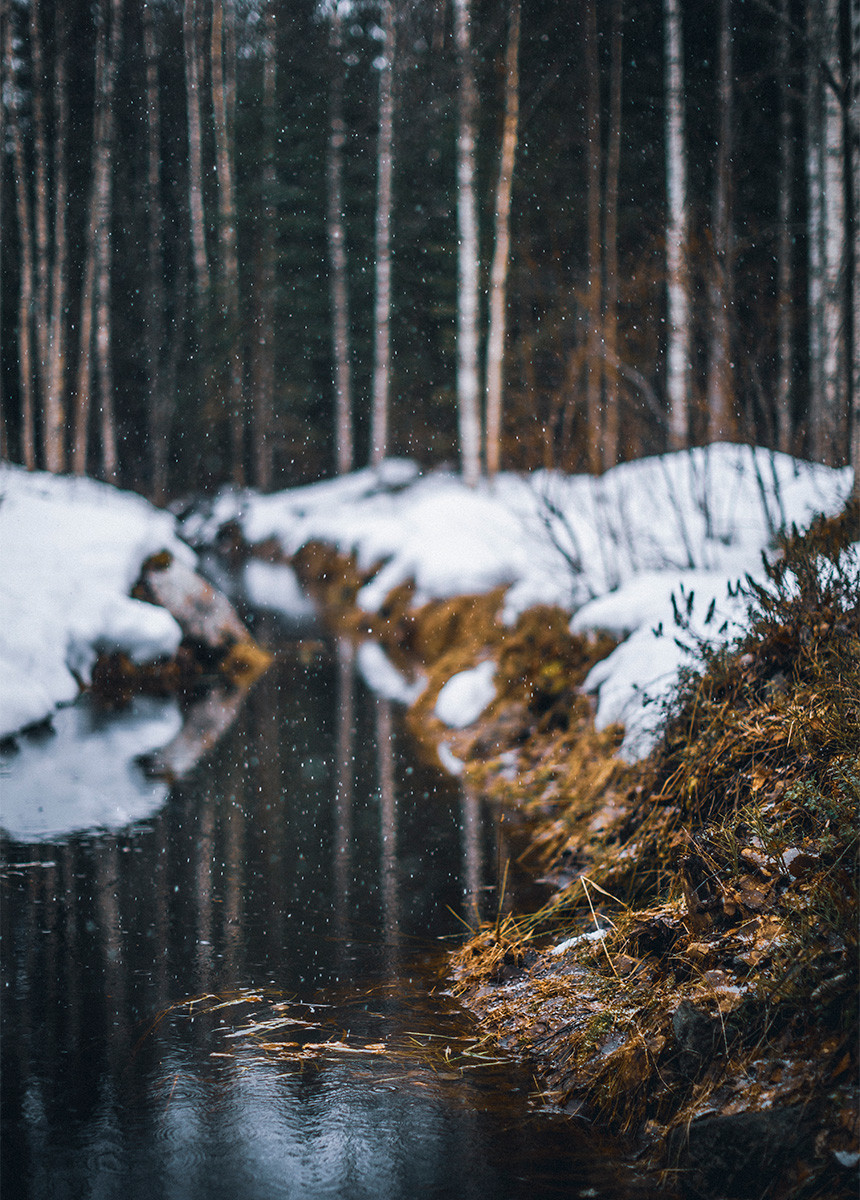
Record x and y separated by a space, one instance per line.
223 66
502 246
158 400
610 240
338 290
594 299
785 265
195 151
264 360
46 403
55 400
721 419
382 304
25 241
677 269
826 237
468 252
104 250
854 127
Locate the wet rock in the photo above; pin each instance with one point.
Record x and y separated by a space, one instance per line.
697 1036
736 1156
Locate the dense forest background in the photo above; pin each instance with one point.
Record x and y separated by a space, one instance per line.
257 241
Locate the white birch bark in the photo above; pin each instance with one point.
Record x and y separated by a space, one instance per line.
40 214
468 254
223 104
158 405
677 269
104 201
855 279
382 304
610 225
502 246
338 290
25 242
721 417
815 225
264 391
195 153
785 272
55 401
835 266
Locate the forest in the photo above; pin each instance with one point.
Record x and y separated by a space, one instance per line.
258 243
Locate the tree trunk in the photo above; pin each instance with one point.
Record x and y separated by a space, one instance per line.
854 127
107 419
83 395
721 418
55 401
158 400
264 391
195 152
25 296
4 433
42 247
223 105
610 237
468 253
785 271
835 317
345 453
502 247
594 301
382 307
677 268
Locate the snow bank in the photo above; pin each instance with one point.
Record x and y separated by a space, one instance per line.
71 550
611 550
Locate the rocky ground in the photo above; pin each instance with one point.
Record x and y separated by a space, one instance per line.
692 984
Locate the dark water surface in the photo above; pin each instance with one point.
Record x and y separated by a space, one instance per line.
305 874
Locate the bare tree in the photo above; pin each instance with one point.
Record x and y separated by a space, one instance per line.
827 243
594 300
159 402
854 128
223 66
382 306
468 252
264 360
104 243
502 246
345 453
721 418
677 268
41 199
610 240
785 264
195 151
55 399
25 240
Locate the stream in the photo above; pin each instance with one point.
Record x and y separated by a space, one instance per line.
169 987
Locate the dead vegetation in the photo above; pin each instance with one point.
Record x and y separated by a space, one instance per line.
703 996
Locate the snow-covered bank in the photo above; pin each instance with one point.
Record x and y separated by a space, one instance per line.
612 551
71 549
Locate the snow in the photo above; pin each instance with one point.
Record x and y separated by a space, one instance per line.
71 550
383 677
82 774
275 586
464 696
611 550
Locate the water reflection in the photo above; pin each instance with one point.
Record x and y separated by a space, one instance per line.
309 857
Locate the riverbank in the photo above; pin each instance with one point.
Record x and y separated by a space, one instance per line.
692 984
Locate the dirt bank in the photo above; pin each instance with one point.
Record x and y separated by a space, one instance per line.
692 985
